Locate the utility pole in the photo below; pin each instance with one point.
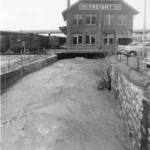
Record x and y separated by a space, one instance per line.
68 3
68 26
100 15
144 28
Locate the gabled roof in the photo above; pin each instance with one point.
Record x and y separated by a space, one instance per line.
71 6
66 10
136 11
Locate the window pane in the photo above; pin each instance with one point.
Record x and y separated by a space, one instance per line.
74 39
92 38
106 19
79 39
75 16
87 39
112 18
80 18
80 22
125 19
105 40
74 22
88 19
119 19
93 19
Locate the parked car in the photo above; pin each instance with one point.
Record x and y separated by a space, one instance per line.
147 61
136 48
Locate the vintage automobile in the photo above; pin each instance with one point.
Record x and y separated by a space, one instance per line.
147 61
136 49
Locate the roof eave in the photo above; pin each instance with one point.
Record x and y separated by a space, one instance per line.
64 16
133 9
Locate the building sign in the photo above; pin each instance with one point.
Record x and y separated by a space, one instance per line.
88 6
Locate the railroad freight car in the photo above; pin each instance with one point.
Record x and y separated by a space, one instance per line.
4 43
56 42
44 40
32 42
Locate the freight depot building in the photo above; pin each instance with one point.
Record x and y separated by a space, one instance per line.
92 23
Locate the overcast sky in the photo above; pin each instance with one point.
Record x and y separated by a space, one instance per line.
47 14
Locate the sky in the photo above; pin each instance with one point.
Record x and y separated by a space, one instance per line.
47 14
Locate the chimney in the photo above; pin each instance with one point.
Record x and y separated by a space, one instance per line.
68 3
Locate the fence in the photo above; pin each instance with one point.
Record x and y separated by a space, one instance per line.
133 62
10 62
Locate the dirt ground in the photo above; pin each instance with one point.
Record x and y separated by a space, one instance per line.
60 108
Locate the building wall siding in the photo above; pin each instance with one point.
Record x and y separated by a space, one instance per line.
85 28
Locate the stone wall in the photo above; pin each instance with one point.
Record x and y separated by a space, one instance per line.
9 78
134 105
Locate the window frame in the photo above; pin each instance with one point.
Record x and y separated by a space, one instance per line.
109 23
77 36
123 22
77 19
91 34
91 17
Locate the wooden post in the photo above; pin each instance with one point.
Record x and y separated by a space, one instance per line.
138 64
8 64
144 29
21 56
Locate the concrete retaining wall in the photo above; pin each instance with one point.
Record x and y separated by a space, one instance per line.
9 78
134 105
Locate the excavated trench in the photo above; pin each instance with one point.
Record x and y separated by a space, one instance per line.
60 108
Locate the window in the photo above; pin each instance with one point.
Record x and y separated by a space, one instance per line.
77 39
108 39
119 19
87 37
90 38
80 18
108 19
77 19
111 19
91 19
122 19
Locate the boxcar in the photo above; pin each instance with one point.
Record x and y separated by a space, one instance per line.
32 42
56 42
4 43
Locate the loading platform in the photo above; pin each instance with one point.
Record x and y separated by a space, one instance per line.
80 53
